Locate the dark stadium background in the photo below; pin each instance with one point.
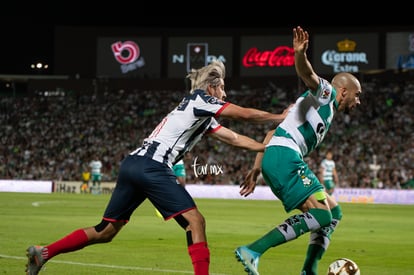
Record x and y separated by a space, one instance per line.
31 35
28 28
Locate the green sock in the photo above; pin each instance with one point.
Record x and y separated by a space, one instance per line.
272 238
292 228
319 242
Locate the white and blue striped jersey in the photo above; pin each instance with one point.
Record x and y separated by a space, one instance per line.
182 128
308 120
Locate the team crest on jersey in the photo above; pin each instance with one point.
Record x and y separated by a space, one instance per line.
325 94
306 181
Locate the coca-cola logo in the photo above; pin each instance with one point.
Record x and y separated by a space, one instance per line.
282 56
126 52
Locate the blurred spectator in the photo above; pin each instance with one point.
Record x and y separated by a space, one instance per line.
50 137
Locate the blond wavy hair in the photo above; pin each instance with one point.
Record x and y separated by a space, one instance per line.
207 75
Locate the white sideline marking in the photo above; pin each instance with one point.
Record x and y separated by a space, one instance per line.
38 203
111 266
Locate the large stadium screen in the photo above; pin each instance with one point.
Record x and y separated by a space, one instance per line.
186 53
345 52
266 56
400 50
129 57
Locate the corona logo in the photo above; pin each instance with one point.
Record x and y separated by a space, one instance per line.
346 45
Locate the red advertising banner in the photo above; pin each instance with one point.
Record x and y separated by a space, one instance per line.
399 50
266 56
128 57
352 52
185 53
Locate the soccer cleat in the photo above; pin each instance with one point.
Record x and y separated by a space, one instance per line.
249 259
35 260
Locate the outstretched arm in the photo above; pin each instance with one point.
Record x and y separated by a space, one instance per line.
233 111
249 183
302 65
232 138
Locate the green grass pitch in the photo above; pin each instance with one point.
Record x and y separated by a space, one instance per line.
379 238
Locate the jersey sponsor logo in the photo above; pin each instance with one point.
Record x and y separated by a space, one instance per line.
214 100
183 104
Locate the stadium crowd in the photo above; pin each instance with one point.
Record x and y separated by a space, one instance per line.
53 137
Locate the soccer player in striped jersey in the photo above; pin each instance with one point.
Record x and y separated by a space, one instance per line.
146 173
289 176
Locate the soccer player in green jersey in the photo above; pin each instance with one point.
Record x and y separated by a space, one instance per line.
327 173
288 175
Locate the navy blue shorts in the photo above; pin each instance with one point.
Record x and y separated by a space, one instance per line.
141 178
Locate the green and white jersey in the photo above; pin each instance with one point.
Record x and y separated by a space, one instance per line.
96 166
179 169
328 166
308 120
